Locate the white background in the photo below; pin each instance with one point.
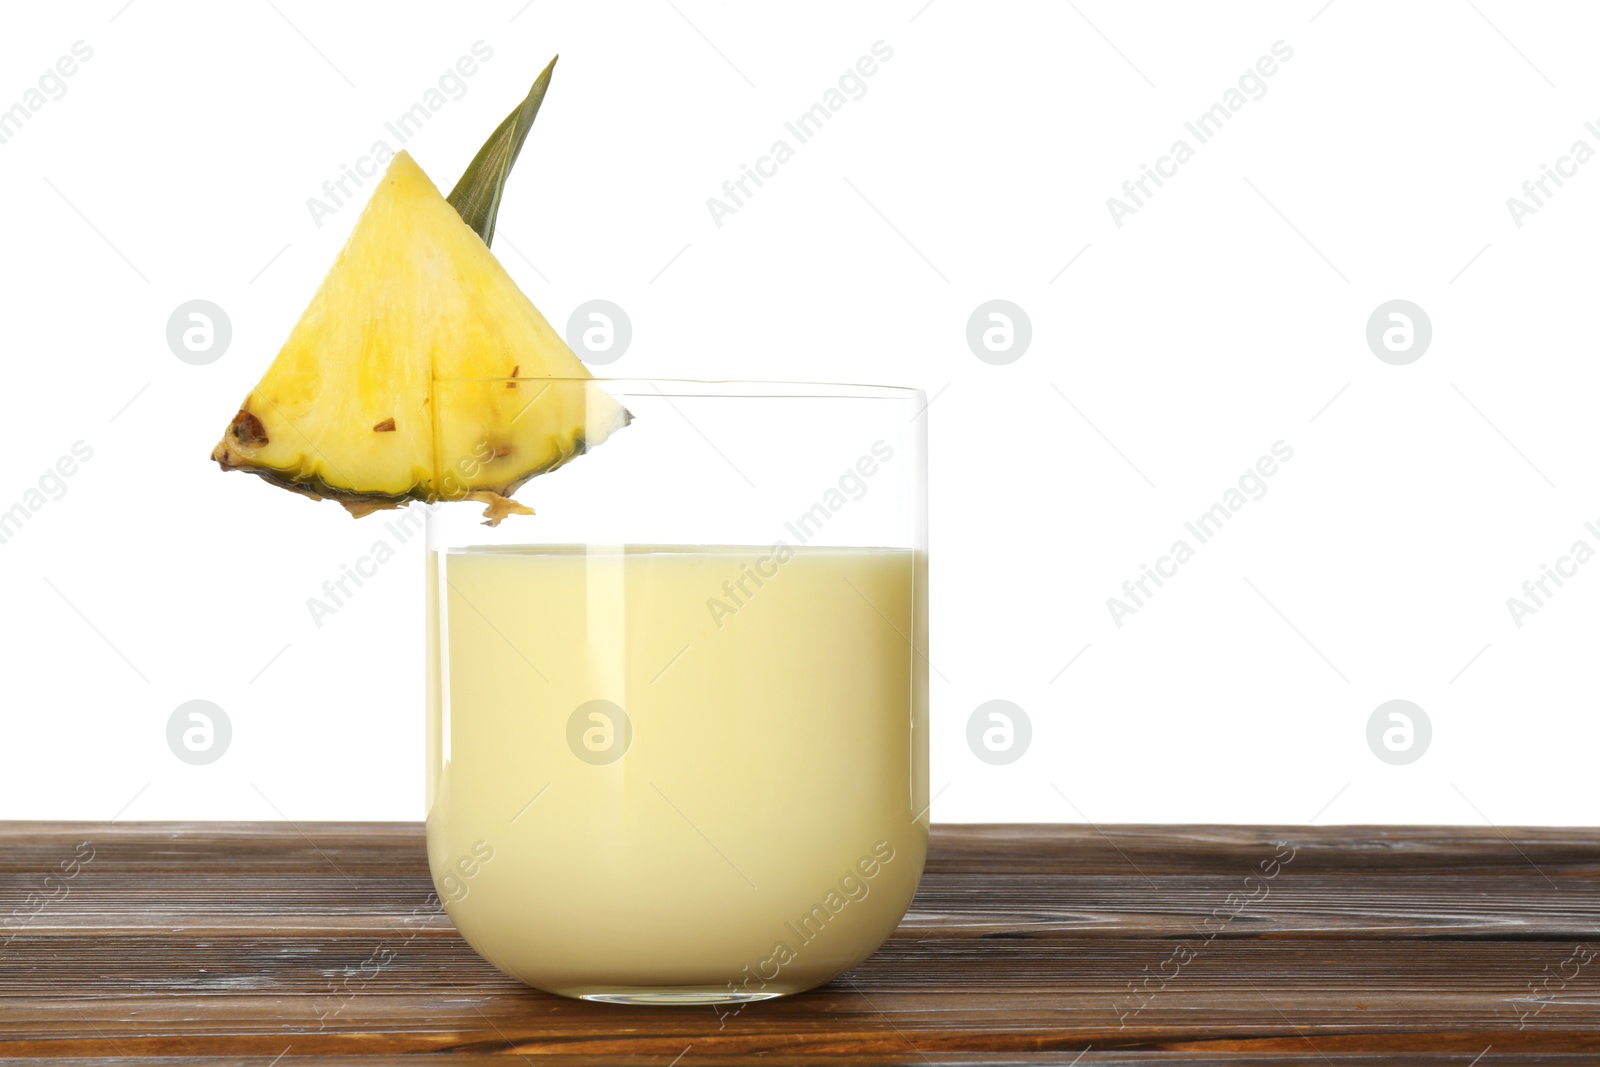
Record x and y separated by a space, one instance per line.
1227 314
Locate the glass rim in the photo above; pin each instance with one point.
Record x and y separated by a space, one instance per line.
746 388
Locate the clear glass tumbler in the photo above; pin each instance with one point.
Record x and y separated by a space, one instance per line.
677 720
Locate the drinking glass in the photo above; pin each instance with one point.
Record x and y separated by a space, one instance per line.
677 720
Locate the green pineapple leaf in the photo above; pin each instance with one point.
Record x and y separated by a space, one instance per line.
476 196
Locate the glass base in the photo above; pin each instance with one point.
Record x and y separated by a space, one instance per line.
685 996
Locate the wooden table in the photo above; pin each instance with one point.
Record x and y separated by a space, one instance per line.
1027 944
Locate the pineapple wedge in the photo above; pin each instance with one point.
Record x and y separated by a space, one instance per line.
418 372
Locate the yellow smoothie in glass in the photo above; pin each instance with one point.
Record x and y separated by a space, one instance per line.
676 773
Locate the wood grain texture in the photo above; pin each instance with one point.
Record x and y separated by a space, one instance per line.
241 942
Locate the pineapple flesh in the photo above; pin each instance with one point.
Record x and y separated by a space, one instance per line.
418 372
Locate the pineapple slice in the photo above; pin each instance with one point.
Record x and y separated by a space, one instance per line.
418 372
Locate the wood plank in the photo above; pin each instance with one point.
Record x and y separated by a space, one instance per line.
1025 944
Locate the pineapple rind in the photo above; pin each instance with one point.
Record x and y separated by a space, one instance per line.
362 503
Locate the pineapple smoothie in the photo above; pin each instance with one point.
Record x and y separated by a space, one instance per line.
699 770
669 774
